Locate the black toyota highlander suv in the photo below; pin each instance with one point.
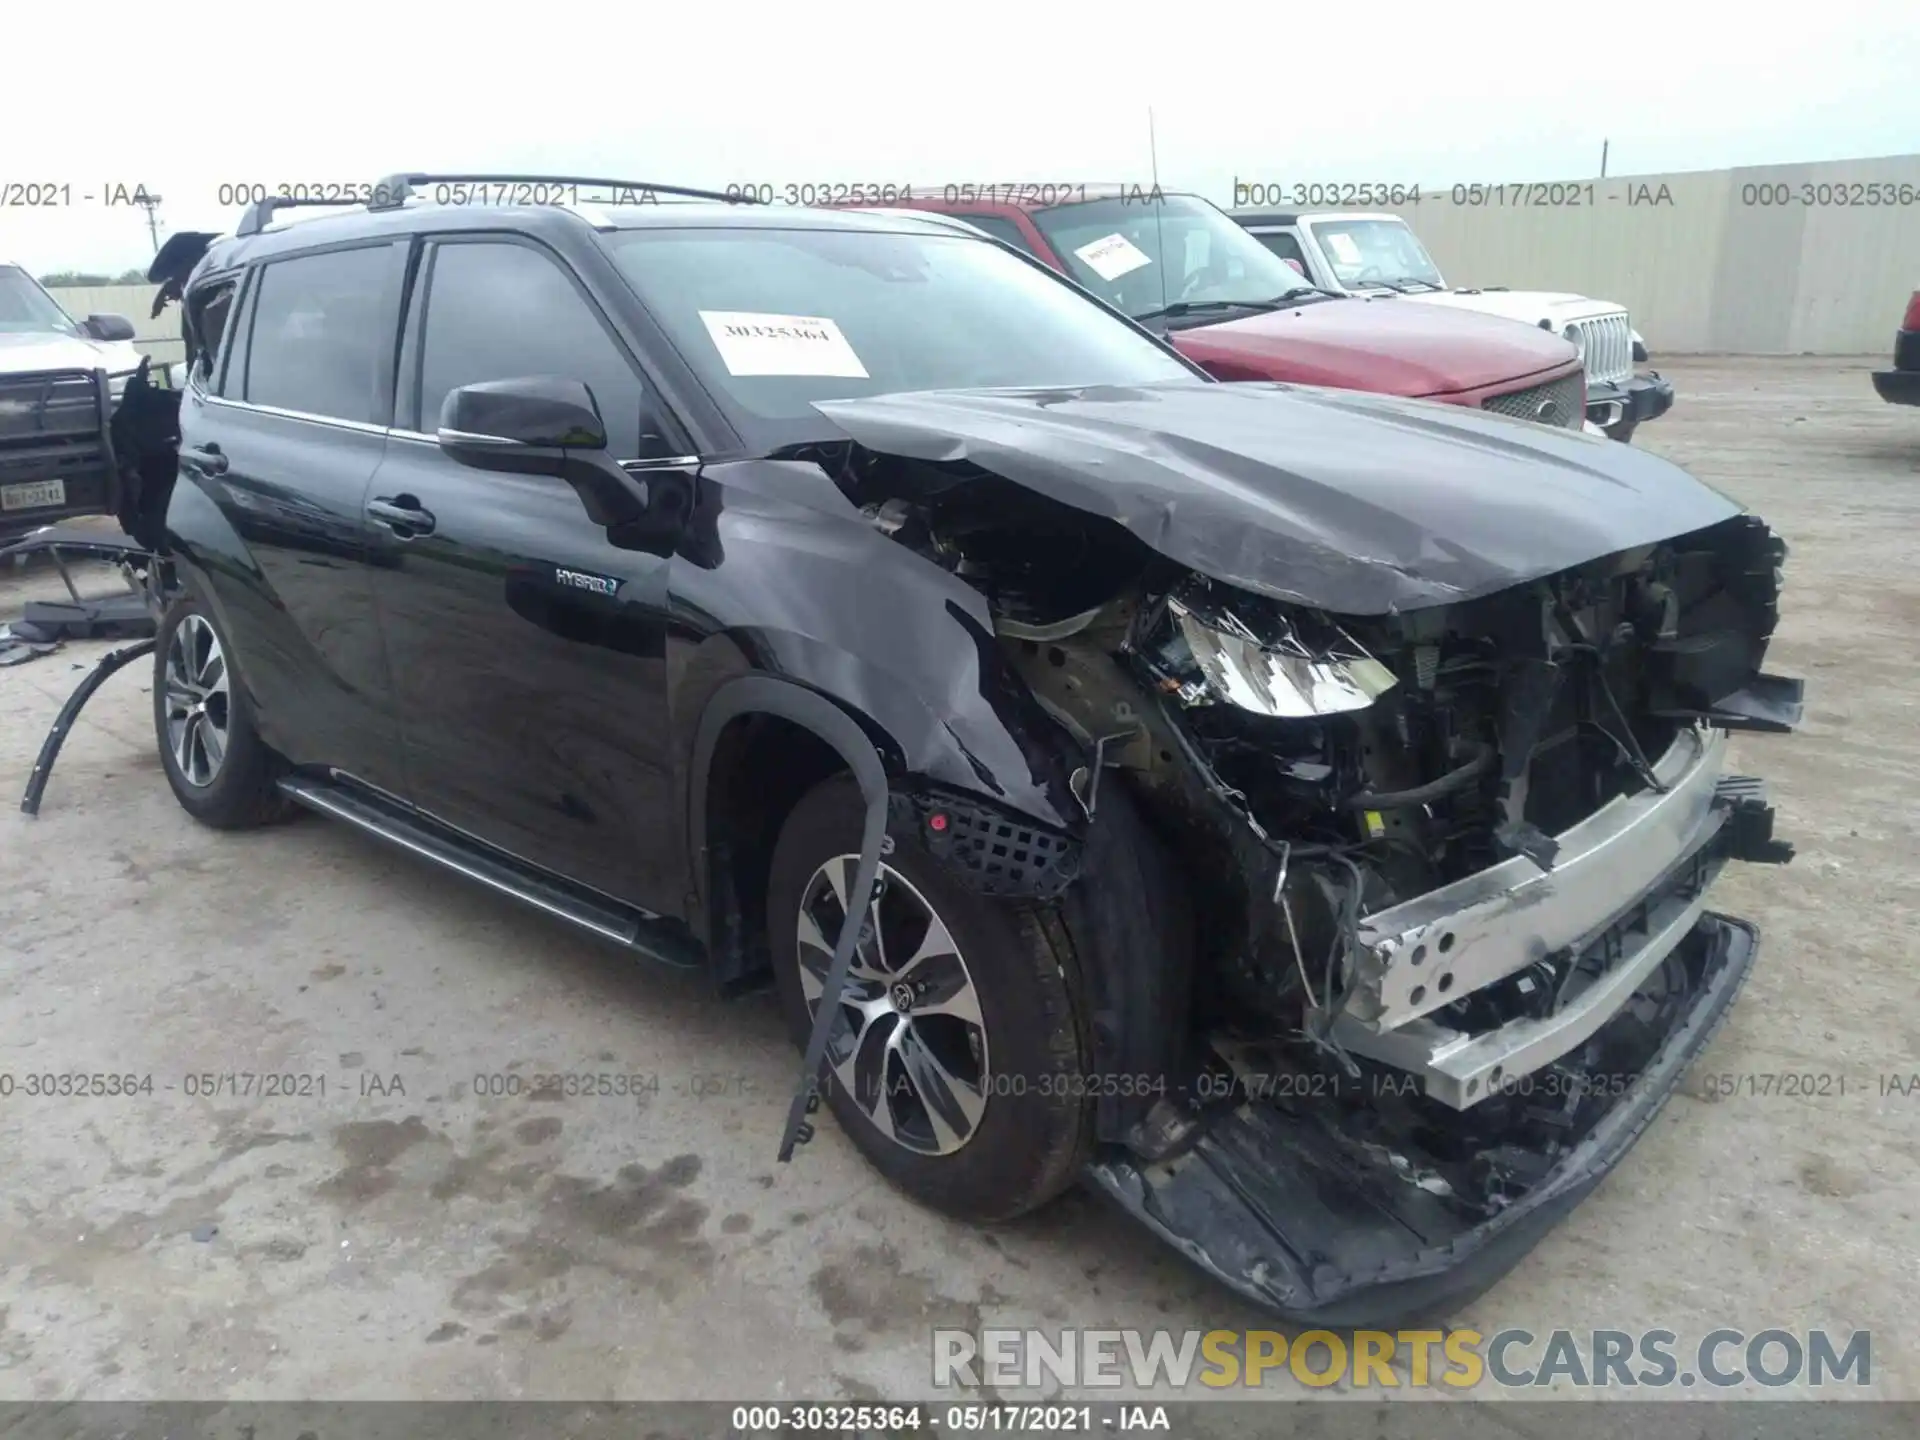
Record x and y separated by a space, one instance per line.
1291 810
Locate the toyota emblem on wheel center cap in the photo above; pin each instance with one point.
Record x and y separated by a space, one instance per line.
902 996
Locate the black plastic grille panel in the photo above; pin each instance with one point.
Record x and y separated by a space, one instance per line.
1564 401
991 852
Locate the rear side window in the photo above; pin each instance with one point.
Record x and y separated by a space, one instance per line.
1283 245
208 312
500 311
320 325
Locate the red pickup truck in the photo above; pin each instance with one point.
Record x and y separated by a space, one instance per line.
1181 265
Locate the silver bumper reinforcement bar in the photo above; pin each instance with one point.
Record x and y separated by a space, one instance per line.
1423 954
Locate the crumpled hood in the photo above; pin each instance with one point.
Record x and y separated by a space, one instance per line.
1357 504
1378 345
1530 306
43 350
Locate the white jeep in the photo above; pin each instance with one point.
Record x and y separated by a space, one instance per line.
1374 253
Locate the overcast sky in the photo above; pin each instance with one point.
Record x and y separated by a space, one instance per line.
104 94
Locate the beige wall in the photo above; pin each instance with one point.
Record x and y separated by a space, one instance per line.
158 336
1707 273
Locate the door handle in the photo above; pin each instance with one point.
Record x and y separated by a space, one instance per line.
402 514
207 459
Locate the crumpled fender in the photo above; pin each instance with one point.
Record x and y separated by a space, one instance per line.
892 640
963 735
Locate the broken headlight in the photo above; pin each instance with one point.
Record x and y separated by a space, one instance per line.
1280 665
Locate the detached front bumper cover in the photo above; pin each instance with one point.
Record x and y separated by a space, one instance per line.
1267 1211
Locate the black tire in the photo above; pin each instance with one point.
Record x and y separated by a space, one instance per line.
239 792
1035 1133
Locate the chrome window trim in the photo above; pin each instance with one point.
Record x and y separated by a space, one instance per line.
363 426
502 442
418 437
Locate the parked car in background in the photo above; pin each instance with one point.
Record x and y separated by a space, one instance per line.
1376 253
1179 265
60 379
1901 384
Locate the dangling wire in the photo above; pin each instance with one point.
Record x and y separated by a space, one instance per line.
1629 747
1345 941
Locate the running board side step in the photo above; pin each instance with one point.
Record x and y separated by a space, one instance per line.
626 925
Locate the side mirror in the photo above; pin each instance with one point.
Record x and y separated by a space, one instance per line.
543 425
522 426
108 327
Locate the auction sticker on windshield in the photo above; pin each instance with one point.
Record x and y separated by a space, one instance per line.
1113 256
751 343
1344 250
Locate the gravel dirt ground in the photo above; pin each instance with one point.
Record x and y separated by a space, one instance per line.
395 1228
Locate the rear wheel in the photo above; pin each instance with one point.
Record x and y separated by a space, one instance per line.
955 1062
221 772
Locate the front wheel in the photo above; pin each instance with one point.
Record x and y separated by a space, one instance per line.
220 770
956 1061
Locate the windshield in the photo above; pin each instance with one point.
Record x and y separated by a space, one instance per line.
778 319
1144 256
26 309
1382 253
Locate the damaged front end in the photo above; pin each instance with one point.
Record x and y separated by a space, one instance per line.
1447 865
1455 943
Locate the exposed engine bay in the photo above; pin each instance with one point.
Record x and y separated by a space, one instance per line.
1536 770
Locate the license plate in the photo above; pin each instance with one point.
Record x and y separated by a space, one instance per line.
33 495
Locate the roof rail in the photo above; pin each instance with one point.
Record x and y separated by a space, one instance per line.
260 213
395 190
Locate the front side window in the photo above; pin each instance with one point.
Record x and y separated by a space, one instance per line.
1380 253
26 309
1144 256
501 311
319 326
777 319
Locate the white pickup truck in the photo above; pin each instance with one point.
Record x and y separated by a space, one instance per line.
60 380
1375 253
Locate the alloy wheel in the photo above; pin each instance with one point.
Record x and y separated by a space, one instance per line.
910 1044
198 701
